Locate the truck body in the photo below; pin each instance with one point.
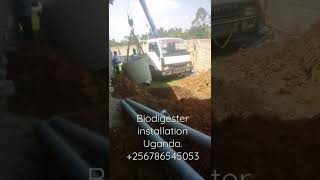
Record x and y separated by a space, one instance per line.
168 56
236 18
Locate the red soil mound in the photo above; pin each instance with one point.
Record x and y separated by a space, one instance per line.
48 84
284 76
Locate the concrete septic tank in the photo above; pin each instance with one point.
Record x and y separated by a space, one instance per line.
138 70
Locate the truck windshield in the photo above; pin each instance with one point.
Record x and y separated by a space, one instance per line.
173 48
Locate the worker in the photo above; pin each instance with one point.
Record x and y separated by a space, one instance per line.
24 14
135 55
194 53
115 62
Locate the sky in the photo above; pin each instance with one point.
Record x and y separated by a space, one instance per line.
165 13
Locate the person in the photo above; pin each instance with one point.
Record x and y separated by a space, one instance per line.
135 55
115 62
24 14
194 53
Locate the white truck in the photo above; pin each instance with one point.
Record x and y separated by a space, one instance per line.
168 56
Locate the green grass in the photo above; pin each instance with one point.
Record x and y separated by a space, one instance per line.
167 82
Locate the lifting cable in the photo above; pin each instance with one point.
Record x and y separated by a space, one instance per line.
225 43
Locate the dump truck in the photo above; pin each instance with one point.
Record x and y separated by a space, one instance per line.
235 20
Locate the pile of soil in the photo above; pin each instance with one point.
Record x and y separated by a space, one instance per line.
175 100
200 83
124 87
267 147
49 84
172 92
284 76
280 82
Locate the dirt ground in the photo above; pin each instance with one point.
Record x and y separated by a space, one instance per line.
22 157
266 106
267 147
281 78
192 96
49 84
281 17
182 99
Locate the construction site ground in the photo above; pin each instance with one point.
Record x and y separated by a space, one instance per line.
266 106
47 84
22 156
189 96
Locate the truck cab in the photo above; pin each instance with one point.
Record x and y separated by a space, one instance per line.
168 56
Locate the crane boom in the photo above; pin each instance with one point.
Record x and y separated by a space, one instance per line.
154 31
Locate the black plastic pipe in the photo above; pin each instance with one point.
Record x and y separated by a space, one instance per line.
184 169
84 136
69 159
193 134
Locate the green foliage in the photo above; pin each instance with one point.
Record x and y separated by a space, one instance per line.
113 42
202 18
200 27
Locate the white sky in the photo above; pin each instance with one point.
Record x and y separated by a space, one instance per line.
165 13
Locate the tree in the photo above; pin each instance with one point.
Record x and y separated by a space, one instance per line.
201 25
144 37
200 29
202 18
